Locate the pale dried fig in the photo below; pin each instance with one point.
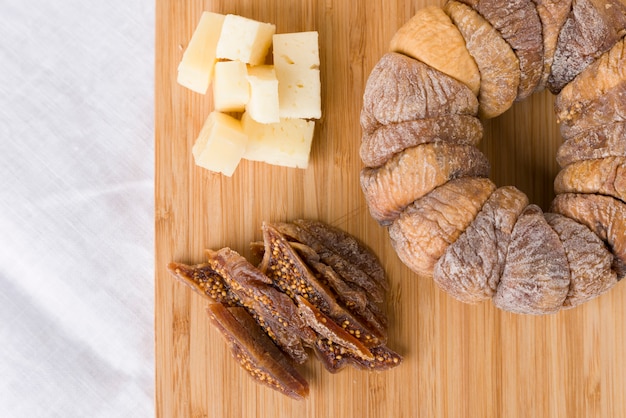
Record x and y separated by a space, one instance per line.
605 176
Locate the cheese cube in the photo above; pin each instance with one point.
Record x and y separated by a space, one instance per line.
263 105
296 60
231 90
245 40
220 144
286 143
195 69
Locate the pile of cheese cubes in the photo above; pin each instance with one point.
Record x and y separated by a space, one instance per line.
262 112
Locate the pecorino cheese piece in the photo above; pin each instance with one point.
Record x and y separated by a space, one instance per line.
591 29
588 258
415 172
401 88
431 37
471 267
426 228
498 64
536 274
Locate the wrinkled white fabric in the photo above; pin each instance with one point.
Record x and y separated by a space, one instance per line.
76 208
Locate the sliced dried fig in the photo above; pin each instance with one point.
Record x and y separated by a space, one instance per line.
204 280
400 88
335 357
349 272
603 142
327 329
275 312
427 227
256 353
602 176
588 258
591 29
380 145
291 275
536 274
518 23
470 268
431 37
415 172
498 64
604 215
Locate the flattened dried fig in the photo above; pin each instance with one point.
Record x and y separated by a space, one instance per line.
415 172
470 268
518 23
536 274
603 142
256 353
591 29
426 228
400 89
498 64
602 176
380 145
604 215
588 258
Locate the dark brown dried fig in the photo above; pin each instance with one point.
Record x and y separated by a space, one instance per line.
335 357
256 353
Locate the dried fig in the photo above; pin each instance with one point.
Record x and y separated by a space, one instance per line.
591 29
498 64
604 215
518 23
427 227
256 353
536 274
470 268
401 88
431 37
380 145
415 172
588 258
606 141
335 357
605 176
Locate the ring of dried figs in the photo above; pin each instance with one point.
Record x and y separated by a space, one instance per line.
424 179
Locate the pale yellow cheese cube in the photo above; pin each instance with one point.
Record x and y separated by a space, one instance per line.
286 143
220 144
195 69
245 40
263 105
296 60
231 90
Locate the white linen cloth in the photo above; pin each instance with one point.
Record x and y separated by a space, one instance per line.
76 208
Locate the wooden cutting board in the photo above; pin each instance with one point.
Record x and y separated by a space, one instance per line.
459 360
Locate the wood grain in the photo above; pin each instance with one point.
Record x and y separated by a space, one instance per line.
460 360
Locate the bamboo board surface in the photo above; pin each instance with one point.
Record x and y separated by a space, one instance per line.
459 360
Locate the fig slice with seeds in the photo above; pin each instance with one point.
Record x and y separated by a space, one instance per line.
255 352
335 357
